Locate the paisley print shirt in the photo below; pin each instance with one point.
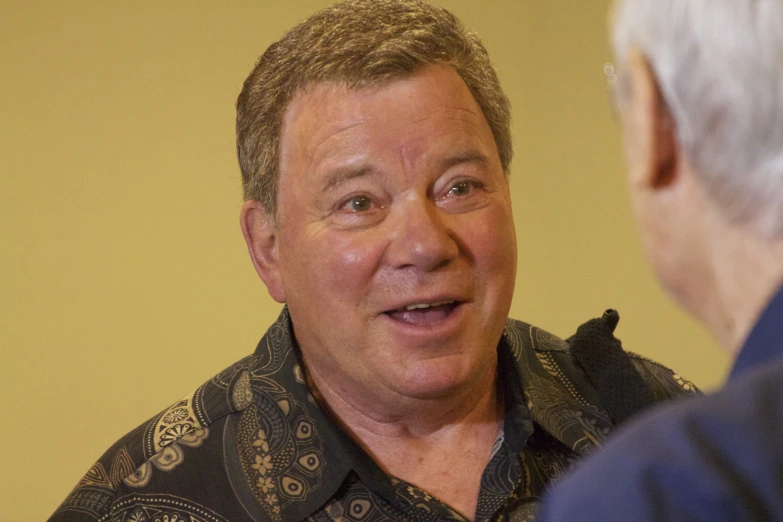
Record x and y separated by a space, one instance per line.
252 444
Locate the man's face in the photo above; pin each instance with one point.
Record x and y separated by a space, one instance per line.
396 250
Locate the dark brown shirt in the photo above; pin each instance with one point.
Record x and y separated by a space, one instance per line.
252 444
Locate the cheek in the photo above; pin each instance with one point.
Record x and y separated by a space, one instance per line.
643 214
492 244
499 237
344 263
656 240
353 261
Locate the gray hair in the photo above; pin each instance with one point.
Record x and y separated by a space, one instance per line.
719 65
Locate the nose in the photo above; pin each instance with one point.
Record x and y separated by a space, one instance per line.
422 237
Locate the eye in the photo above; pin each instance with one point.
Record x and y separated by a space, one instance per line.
358 204
462 188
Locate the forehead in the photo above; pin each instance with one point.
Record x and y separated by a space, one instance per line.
329 116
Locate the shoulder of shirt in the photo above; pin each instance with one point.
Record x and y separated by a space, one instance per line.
186 422
742 402
519 332
664 382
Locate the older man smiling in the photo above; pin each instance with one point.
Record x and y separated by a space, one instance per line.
375 149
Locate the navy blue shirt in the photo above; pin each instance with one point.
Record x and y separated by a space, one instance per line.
712 458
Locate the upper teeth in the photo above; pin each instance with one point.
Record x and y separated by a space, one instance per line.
423 305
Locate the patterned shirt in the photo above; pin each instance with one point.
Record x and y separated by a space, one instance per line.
252 444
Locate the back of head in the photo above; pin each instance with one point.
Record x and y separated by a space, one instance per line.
719 64
357 43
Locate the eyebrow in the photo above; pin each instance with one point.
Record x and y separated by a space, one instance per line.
344 175
472 156
341 176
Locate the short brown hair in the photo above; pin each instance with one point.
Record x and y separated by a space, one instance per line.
357 43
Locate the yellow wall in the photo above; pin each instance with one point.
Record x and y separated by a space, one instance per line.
124 280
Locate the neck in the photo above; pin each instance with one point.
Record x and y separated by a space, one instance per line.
441 445
747 271
395 417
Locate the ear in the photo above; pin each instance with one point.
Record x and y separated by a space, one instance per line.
651 127
261 238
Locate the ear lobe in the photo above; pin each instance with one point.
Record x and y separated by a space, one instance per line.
653 124
261 238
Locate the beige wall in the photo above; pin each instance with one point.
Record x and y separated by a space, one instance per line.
124 281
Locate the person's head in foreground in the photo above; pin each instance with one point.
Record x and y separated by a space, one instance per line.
375 149
699 88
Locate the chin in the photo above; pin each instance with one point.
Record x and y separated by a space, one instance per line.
438 378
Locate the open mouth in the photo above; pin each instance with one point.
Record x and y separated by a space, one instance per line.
423 314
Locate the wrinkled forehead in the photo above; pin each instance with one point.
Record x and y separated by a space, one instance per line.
328 110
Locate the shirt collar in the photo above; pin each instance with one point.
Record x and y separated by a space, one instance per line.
765 341
518 424
552 402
